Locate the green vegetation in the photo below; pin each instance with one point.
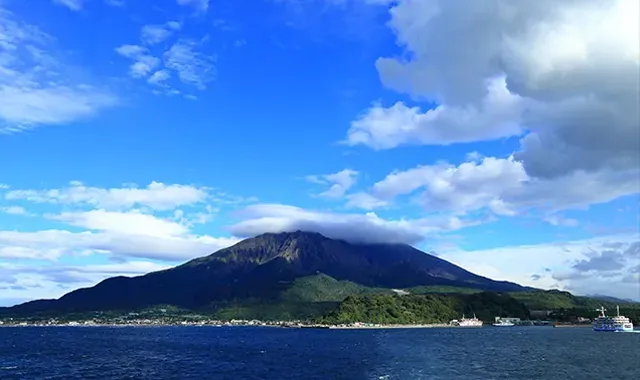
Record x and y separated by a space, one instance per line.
305 298
442 290
322 288
280 311
555 299
429 308
324 299
567 307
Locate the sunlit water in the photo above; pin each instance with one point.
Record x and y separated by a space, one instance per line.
268 353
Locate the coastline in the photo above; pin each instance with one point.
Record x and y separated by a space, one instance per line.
376 326
278 324
569 326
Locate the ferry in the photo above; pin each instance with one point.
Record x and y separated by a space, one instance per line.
618 323
467 322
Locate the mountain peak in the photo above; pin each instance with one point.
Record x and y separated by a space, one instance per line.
263 267
297 234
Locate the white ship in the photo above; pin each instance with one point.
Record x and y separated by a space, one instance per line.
504 323
617 323
467 322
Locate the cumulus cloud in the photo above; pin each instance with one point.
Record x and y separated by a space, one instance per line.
130 222
127 238
36 86
498 115
52 244
582 266
502 186
339 183
156 195
119 222
369 228
570 72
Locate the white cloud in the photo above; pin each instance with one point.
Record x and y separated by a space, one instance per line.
592 266
201 6
263 218
16 252
20 283
156 195
125 223
192 67
572 71
502 186
339 183
365 201
120 223
14 210
74 5
52 244
559 221
154 34
144 63
183 58
36 87
115 3
497 116
159 78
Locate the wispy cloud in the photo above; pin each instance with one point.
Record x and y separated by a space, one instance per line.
74 5
115 3
156 195
153 34
14 210
165 69
143 62
36 87
201 6
339 183
192 67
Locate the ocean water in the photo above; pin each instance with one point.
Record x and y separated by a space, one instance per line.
236 353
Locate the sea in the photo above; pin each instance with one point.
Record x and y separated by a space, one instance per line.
253 353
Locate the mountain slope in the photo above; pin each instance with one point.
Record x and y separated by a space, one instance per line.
264 268
429 308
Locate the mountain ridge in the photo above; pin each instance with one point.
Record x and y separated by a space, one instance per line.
264 268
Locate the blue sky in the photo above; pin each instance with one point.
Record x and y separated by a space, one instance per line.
503 137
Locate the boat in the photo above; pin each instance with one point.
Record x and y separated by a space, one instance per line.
504 323
612 324
467 322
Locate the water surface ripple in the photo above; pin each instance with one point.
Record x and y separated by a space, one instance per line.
238 353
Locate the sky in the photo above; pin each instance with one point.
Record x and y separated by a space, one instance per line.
501 136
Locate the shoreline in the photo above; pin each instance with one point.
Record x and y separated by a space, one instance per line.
284 325
327 327
383 327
